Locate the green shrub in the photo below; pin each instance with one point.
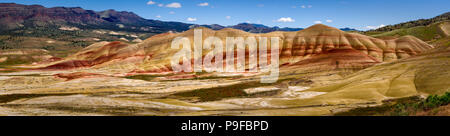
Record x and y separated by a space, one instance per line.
403 106
434 101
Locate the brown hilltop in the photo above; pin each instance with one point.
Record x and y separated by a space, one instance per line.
315 41
319 28
318 45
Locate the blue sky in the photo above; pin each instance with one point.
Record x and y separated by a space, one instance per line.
360 14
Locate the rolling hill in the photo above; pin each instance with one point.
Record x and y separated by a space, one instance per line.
436 34
297 47
415 23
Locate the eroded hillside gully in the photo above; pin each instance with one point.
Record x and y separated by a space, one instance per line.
213 61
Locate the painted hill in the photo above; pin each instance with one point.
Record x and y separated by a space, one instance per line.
98 53
418 75
301 45
298 48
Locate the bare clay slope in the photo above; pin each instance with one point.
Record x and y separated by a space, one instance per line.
298 46
424 74
295 47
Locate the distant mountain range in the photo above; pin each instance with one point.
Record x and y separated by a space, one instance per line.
258 28
16 17
252 28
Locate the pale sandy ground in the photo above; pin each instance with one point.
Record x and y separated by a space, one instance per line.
44 94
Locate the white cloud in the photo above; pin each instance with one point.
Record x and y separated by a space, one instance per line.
306 6
286 19
203 4
151 2
171 12
260 5
374 27
329 21
228 17
160 5
191 19
174 5
248 22
317 22
158 16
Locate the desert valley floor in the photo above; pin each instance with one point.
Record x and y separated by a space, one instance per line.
323 71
